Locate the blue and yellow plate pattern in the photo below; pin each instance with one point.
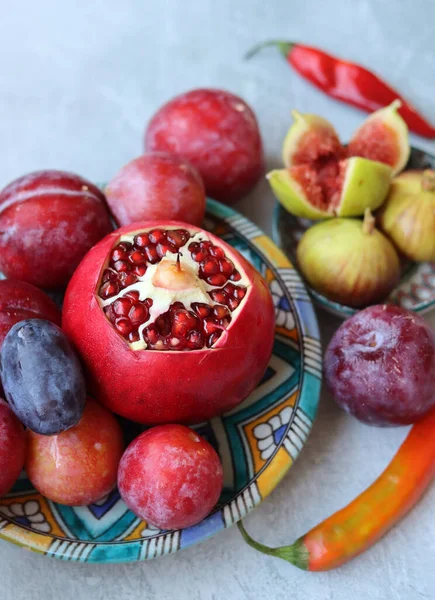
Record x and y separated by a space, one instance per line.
257 442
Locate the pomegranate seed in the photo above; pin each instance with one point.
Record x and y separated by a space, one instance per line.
212 339
230 289
109 289
210 326
136 258
151 335
156 236
163 325
183 322
125 246
226 266
151 254
235 276
139 270
122 306
133 337
119 254
162 249
199 256
218 279
177 237
124 326
148 302
195 340
210 267
239 292
233 303
202 310
108 311
121 266
127 279
217 252
206 245
109 275
221 312
142 240
176 306
134 296
176 343
138 314
219 296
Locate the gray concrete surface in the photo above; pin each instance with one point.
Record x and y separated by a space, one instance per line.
78 81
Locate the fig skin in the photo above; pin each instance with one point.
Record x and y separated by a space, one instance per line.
349 261
408 215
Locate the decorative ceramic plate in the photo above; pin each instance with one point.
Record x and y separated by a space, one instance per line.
257 442
416 289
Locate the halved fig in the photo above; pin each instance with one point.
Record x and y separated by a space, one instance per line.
343 188
384 137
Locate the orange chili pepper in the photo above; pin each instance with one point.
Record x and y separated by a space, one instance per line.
364 521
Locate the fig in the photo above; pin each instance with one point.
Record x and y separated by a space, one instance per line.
408 215
349 261
324 179
383 137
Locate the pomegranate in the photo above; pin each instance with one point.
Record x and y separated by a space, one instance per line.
218 133
157 186
48 221
172 323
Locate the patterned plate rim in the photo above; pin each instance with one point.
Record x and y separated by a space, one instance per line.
247 498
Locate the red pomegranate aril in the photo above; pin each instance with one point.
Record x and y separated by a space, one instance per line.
202 310
125 246
217 252
176 343
218 279
195 340
134 296
148 302
210 326
122 306
163 325
206 245
162 249
108 311
151 334
138 314
226 266
133 337
139 270
136 258
183 322
124 326
177 237
199 256
151 254
219 296
142 240
221 312
156 236
119 254
213 338
239 292
109 275
109 289
211 267
126 279
121 266
235 276
233 303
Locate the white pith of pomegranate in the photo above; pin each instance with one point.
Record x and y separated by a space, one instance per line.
171 289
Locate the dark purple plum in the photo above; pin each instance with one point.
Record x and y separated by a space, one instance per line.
380 366
42 377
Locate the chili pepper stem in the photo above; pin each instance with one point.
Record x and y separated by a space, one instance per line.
296 554
283 47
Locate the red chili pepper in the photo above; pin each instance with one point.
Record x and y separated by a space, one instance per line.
361 523
347 82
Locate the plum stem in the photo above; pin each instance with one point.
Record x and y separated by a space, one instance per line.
428 181
369 222
283 47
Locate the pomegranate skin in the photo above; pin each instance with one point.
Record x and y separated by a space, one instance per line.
48 221
157 186
218 133
157 387
170 477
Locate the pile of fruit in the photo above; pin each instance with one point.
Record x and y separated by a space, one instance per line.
324 180
162 322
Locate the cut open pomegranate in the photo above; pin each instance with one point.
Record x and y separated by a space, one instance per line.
173 324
